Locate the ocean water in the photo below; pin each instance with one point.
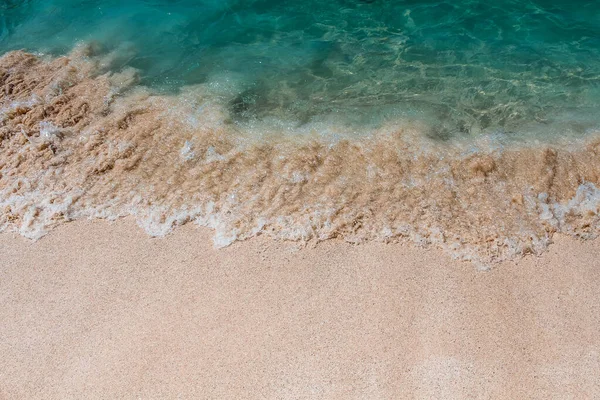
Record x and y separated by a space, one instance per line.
465 66
470 125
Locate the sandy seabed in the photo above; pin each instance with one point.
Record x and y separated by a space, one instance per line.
101 310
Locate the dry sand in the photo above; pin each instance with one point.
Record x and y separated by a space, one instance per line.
100 310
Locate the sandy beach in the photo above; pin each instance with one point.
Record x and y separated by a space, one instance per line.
101 310
301 199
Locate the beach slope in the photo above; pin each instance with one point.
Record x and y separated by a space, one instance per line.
101 310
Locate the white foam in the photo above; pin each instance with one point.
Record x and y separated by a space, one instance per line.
15 105
187 152
49 132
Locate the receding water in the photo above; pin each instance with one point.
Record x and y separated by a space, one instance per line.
466 67
470 125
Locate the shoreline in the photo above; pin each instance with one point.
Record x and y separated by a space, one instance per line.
79 140
100 309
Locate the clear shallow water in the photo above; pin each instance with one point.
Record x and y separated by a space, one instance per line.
463 67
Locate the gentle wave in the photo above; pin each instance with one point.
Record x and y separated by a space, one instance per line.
79 141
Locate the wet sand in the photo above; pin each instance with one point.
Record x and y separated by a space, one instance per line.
79 141
101 310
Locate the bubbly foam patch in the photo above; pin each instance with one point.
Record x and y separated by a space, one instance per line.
79 141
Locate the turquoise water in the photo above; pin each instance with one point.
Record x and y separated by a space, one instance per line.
465 67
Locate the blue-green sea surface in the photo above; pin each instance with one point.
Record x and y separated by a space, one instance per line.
466 67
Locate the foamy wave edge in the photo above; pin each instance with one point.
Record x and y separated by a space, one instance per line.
78 140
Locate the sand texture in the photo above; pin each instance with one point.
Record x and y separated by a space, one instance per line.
97 310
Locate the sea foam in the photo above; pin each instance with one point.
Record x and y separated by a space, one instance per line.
105 147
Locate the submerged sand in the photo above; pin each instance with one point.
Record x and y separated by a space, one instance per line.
100 310
79 140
